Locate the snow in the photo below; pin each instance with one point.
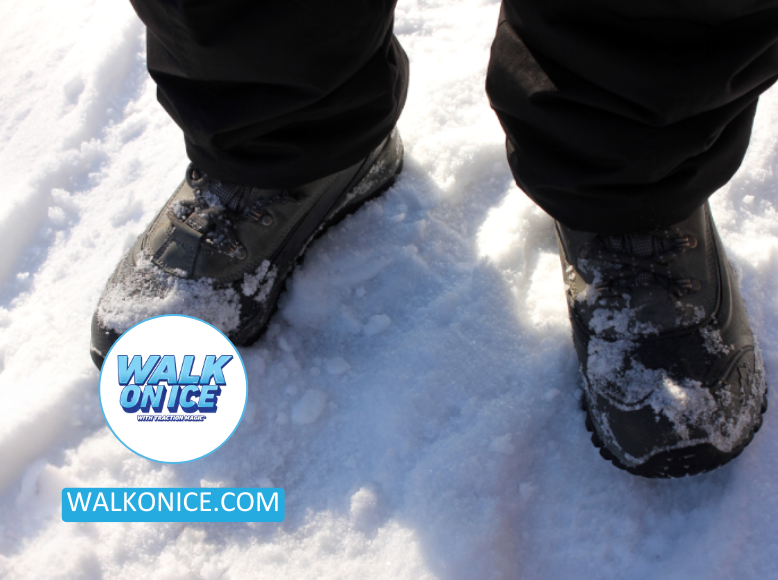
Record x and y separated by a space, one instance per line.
503 445
308 409
337 366
163 293
450 446
376 324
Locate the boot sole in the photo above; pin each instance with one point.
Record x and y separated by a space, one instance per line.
675 463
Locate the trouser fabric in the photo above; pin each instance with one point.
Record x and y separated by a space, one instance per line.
625 115
618 115
276 93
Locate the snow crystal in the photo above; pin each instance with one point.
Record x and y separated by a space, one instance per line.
606 364
365 509
368 182
623 322
208 483
527 490
147 291
376 324
260 282
309 407
502 445
179 209
283 344
713 341
211 198
337 366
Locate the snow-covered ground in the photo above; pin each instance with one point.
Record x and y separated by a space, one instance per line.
417 393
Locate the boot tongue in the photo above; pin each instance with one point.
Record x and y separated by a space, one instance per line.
642 245
231 196
637 244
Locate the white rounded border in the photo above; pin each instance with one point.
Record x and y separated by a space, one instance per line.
100 398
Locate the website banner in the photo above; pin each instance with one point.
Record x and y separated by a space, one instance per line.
167 504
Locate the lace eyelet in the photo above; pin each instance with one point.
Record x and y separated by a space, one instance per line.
688 242
267 220
195 178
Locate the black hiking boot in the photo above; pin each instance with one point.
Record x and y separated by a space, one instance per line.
673 379
222 252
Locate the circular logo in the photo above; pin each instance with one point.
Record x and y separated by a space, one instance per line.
173 388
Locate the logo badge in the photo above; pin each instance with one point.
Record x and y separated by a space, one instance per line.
173 388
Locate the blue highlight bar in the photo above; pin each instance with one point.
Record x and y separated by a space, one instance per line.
173 504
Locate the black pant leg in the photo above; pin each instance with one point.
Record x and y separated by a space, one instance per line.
276 93
622 115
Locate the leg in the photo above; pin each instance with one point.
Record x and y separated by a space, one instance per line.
276 94
628 115
288 110
622 118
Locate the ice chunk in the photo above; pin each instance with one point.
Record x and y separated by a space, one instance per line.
377 324
308 409
337 366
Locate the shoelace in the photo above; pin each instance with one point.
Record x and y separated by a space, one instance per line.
640 260
217 205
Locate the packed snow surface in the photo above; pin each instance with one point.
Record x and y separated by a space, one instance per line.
417 393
